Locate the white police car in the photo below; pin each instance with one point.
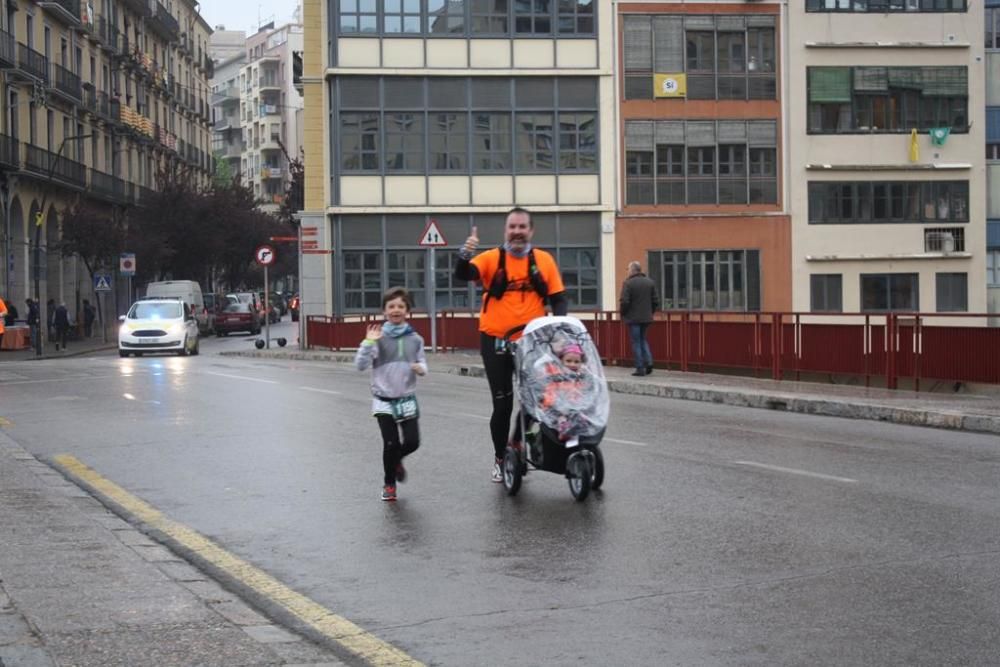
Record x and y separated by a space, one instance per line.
158 325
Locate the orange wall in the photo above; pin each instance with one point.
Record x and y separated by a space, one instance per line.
770 234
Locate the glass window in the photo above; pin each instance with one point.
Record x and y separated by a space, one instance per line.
952 292
449 293
448 142
446 17
826 293
359 137
489 17
402 16
407 268
700 52
404 142
701 175
882 292
363 280
883 6
534 142
845 202
577 142
491 149
358 16
533 17
706 279
576 16
580 275
639 177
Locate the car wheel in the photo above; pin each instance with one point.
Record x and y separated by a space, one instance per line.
196 351
183 352
122 353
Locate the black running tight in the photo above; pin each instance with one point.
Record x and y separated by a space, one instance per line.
499 368
394 451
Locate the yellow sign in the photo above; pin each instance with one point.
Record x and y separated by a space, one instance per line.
670 85
38 219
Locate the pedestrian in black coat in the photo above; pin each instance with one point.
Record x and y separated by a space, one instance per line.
638 303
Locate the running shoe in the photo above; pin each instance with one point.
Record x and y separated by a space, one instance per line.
389 493
497 475
400 473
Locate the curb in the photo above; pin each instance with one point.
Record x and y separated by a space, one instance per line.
67 355
942 419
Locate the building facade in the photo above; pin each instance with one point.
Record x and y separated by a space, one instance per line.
267 107
887 174
701 197
228 145
992 55
453 112
99 97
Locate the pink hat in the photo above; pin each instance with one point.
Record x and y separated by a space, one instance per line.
572 347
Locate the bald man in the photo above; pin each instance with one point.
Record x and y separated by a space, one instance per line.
638 303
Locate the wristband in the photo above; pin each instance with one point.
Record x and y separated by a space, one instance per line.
368 342
464 254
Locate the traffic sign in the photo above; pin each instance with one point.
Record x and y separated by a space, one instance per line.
265 255
102 282
432 236
126 264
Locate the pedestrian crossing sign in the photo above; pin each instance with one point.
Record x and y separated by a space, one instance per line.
102 282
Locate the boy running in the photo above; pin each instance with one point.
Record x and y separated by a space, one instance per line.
395 353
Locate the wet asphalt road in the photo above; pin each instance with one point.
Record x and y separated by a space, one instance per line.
723 536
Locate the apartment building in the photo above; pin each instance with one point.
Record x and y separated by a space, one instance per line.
992 46
701 194
100 96
228 145
887 174
267 107
452 112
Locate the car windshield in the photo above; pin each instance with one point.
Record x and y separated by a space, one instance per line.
238 308
155 311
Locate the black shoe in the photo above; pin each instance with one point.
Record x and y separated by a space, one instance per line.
649 369
400 473
638 372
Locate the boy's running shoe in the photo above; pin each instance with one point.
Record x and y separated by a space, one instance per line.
497 475
400 473
389 493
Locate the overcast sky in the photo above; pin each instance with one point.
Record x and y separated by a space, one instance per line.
242 14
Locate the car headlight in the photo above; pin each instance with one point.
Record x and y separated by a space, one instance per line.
176 329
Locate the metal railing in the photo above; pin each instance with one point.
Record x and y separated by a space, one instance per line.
163 23
66 82
8 48
32 62
107 186
10 149
43 162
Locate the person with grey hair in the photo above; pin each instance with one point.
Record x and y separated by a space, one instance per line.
638 303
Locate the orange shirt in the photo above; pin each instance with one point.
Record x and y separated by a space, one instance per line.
520 303
3 311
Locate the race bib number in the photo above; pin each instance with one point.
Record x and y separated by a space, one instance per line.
405 408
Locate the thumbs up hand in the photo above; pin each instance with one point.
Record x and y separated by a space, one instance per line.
472 242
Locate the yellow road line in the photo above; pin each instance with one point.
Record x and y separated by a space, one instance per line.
338 629
4 422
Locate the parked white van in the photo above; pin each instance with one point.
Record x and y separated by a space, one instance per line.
188 291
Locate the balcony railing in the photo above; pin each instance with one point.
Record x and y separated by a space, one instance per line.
230 94
8 49
45 162
9 151
66 82
140 7
107 186
32 62
163 23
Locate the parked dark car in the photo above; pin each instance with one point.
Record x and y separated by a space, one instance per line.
293 307
280 301
237 316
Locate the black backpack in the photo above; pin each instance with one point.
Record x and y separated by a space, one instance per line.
498 286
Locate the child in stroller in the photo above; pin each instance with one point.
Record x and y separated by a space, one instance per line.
563 405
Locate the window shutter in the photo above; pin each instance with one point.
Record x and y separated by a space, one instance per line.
905 77
638 44
639 135
359 93
446 92
945 81
488 93
762 133
699 23
829 84
668 44
732 132
871 79
730 23
670 132
760 21
701 133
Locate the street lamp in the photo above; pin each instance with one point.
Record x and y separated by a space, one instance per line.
39 216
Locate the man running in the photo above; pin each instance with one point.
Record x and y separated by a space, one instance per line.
517 281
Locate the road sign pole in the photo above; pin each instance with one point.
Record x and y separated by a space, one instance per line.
267 311
433 304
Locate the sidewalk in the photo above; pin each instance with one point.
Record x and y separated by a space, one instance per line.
80 586
74 349
960 412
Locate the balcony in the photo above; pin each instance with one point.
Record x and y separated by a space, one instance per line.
269 110
163 24
49 165
10 149
140 7
226 96
32 63
67 11
270 172
66 83
269 83
107 186
8 50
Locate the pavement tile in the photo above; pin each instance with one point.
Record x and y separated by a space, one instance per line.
134 538
270 634
25 656
181 571
239 613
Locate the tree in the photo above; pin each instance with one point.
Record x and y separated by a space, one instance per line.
294 200
223 172
94 233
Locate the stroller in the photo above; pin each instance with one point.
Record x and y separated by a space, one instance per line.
563 413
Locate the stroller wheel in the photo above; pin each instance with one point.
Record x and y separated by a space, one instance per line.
598 477
580 473
512 471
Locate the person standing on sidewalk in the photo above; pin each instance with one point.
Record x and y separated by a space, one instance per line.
60 320
638 303
395 353
3 319
517 281
89 314
33 321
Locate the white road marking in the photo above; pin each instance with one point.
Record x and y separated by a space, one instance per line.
470 415
129 397
64 379
323 391
240 377
795 471
628 442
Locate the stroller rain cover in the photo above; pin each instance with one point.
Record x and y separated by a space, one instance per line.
574 403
